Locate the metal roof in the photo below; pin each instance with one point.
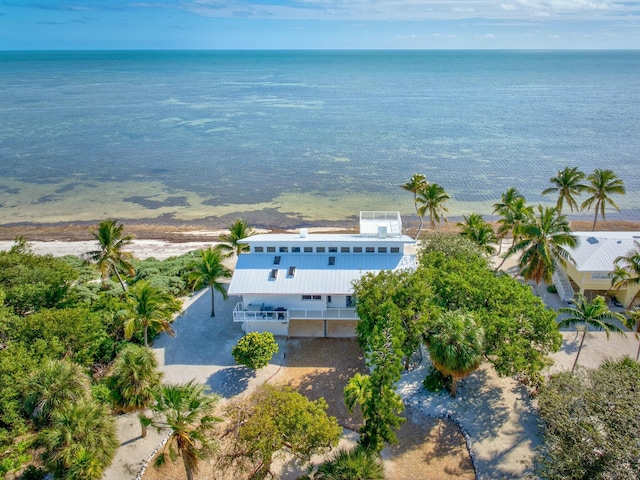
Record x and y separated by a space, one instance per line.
313 274
337 238
597 251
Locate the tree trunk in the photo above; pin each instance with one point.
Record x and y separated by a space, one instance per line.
419 218
143 434
454 382
213 300
187 469
124 287
575 363
146 343
595 219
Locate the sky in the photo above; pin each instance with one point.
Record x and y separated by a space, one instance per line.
318 24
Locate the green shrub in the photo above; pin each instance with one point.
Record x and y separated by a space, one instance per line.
435 381
552 289
255 349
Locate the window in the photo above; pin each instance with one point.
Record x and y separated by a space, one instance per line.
599 275
295 249
284 249
271 249
308 249
370 249
333 249
332 260
306 297
328 298
357 249
382 249
344 249
291 272
311 297
395 249
258 249
276 260
274 274
320 249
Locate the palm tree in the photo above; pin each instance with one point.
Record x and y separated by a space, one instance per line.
630 264
134 379
542 242
149 307
456 345
633 323
432 198
237 231
81 441
207 271
514 210
55 384
602 184
592 314
356 464
416 184
476 229
111 257
567 184
187 411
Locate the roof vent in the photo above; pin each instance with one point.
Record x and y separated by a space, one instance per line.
592 240
303 233
274 274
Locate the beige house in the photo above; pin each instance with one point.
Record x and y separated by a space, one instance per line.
594 259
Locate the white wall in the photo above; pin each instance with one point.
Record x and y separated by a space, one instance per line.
286 301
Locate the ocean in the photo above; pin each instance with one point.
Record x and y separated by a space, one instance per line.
293 138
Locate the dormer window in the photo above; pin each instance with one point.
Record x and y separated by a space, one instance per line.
276 260
274 274
332 261
291 272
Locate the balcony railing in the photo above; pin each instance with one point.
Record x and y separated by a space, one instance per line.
264 314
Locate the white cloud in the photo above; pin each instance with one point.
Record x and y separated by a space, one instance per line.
510 7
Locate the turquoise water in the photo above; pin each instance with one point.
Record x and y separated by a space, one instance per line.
293 138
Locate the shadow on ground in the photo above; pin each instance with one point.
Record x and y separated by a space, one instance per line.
231 381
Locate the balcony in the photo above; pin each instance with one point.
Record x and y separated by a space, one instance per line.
259 313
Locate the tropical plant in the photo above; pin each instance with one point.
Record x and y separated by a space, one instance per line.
255 349
80 442
542 241
188 412
416 184
431 199
111 257
633 323
134 379
567 184
476 229
602 184
356 464
238 230
207 271
456 345
594 314
149 307
56 383
630 264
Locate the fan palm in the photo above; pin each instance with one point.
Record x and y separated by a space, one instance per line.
80 442
416 184
148 306
111 258
356 464
630 264
602 184
456 345
594 314
542 241
187 411
207 271
476 229
567 184
432 199
134 379
237 231
55 384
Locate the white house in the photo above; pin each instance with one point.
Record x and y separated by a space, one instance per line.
302 284
593 261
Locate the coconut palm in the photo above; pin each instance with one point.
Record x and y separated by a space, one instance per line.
55 384
237 231
511 223
416 184
148 306
80 442
134 379
476 229
431 199
567 184
633 323
630 265
456 345
356 464
111 257
207 271
594 314
542 241
602 184
187 411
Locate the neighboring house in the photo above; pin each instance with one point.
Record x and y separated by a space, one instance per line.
594 259
302 284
